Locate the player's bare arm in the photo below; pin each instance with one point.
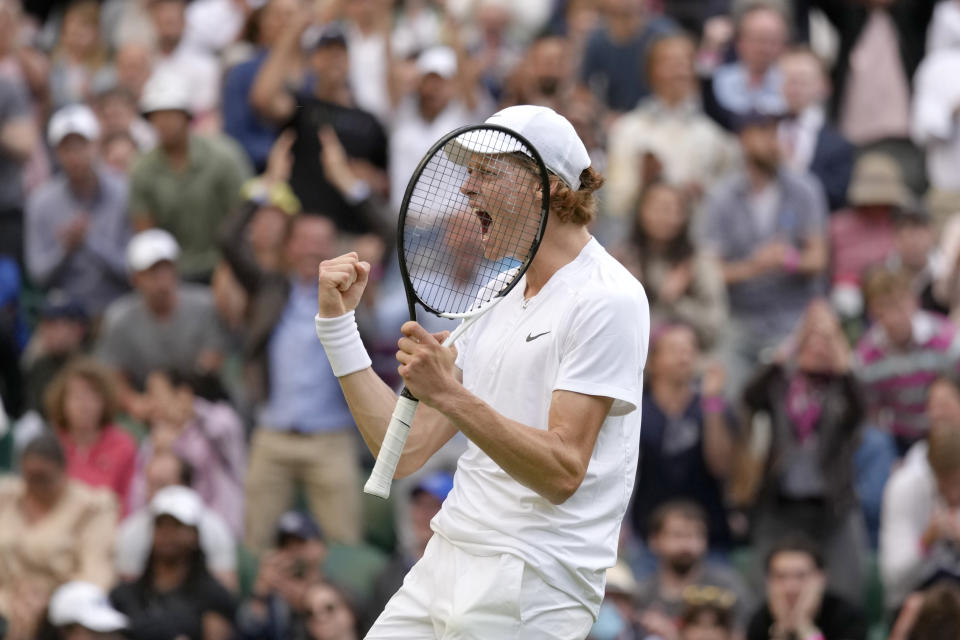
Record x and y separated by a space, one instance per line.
341 284
552 462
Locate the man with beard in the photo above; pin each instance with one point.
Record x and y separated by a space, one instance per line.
678 538
766 225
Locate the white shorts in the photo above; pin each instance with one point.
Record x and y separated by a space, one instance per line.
453 595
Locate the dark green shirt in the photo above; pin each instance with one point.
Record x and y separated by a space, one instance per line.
190 204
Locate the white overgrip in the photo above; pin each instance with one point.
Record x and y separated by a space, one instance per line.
389 457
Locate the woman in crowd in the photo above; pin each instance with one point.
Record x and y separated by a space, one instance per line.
52 530
79 54
189 416
680 282
80 405
809 402
330 616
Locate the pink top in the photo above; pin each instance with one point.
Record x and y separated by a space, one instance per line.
108 463
858 241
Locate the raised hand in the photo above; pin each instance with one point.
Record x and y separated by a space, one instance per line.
340 284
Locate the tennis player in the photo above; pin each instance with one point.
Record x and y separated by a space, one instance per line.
547 388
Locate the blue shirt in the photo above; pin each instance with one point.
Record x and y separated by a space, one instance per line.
240 121
733 91
304 394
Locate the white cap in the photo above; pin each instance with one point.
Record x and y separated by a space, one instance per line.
550 133
620 579
165 91
85 604
181 503
74 118
439 60
149 247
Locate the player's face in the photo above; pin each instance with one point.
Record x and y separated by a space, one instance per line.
505 199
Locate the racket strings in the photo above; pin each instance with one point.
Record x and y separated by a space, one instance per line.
473 217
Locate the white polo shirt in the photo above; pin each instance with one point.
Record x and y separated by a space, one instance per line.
585 331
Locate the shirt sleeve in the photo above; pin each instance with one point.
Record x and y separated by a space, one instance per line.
605 349
95 539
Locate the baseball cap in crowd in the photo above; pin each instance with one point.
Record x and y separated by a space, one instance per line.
149 247
76 119
555 139
59 305
441 61
84 604
297 524
331 35
180 503
877 180
165 91
620 580
438 484
756 118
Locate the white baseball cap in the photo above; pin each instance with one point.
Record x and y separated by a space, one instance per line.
149 247
85 604
74 118
550 133
181 503
165 91
439 60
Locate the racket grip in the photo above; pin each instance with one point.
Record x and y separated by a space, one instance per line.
386 466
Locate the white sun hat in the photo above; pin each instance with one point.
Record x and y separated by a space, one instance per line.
85 604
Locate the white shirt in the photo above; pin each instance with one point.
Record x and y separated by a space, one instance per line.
199 69
944 30
935 100
411 137
585 331
691 147
368 72
135 537
798 137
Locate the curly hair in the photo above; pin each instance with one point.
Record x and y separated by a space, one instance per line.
580 206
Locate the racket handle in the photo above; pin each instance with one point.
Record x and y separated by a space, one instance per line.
389 456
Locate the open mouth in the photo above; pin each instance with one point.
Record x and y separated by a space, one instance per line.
485 221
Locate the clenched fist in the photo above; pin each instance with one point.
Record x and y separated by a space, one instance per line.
340 284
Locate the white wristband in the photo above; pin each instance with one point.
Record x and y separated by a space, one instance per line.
341 340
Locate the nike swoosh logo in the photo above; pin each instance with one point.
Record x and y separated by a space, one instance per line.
531 338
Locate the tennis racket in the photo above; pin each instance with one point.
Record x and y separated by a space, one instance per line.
471 220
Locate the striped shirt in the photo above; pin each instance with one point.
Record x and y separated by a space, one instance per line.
896 380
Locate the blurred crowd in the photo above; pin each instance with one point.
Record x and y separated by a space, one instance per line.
783 176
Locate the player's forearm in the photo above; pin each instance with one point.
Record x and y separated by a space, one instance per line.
536 458
372 401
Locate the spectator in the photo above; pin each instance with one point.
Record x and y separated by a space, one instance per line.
617 618
919 530
709 617
78 56
61 333
875 34
678 537
425 501
119 152
446 97
189 417
81 611
132 66
81 407
76 224
197 70
17 139
614 58
809 141
52 530
931 615
900 355
946 285
686 440
671 126
367 37
934 118
916 256
326 104
167 469
330 614
681 283
305 431
798 605
240 121
116 109
545 75
176 595
188 184
944 27
864 235
766 226
279 607
812 403
754 82
163 324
